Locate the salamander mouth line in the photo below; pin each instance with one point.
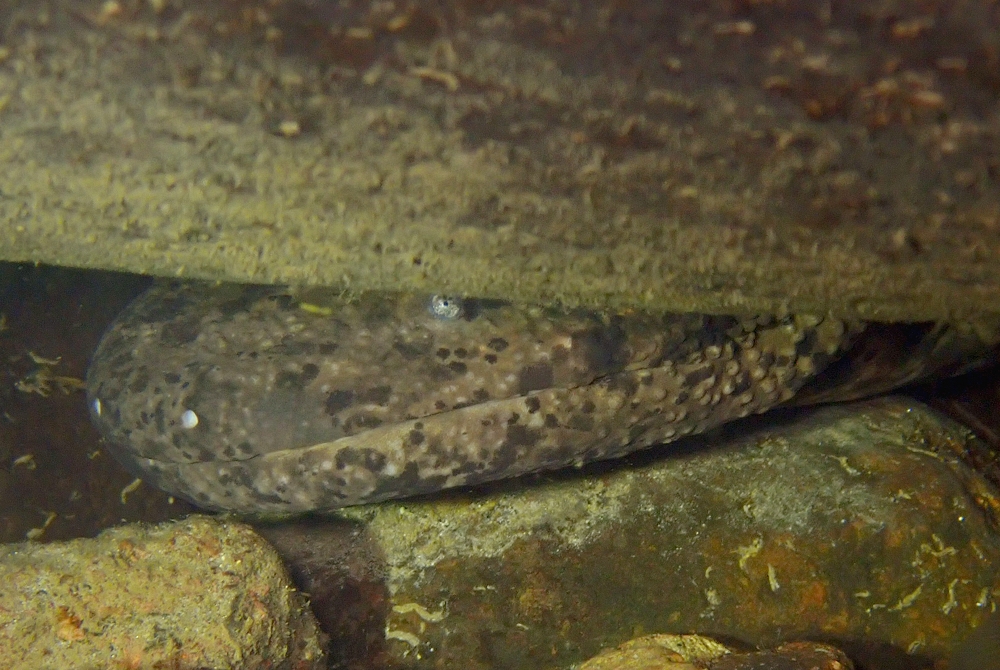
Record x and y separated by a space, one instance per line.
374 433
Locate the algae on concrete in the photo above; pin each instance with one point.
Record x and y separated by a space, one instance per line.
682 155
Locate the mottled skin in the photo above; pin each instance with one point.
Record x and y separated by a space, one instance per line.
319 402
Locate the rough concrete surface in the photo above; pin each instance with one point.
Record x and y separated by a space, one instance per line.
190 594
710 156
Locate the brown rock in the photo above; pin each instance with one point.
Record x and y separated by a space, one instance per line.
791 656
191 594
659 652
695 652
858 524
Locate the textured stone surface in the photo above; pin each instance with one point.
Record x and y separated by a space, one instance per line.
684 155
856 524
659 652
694 652
190 594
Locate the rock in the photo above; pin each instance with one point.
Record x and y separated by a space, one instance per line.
659 652
339 565
197 593
694 652
856 523
791 656
690 156
981 649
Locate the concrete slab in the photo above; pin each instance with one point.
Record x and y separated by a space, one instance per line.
688 156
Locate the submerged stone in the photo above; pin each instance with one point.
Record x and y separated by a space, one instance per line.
858 524
694 652
190 594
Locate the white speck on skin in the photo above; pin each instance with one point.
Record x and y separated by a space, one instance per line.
189 419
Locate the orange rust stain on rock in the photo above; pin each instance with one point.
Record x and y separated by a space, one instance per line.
69 626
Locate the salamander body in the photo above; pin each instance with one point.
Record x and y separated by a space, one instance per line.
256 400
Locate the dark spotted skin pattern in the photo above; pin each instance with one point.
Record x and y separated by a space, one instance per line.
255 400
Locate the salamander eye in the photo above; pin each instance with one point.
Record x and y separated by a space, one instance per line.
446 307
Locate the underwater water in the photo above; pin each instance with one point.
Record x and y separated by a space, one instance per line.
59 484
